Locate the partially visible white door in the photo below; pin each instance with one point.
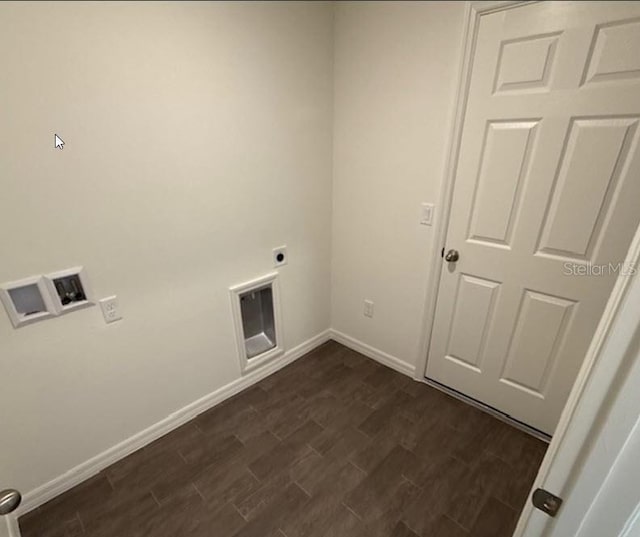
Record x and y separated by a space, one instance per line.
545 203
592 460
615 510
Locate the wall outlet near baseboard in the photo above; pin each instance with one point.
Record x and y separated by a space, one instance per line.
368 308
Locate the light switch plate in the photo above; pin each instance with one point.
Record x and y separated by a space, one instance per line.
426 214
110 309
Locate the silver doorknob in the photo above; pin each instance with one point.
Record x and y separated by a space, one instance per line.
9 501
452 256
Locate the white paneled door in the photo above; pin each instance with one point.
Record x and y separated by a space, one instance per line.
545 203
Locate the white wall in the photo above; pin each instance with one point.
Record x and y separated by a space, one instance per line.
198 137
396 67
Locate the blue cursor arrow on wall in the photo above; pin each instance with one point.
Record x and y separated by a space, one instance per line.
59 142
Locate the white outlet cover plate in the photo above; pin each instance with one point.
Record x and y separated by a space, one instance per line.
110 307
368 308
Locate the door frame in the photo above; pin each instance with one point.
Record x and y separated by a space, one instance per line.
606 357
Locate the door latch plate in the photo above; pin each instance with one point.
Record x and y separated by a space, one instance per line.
546 502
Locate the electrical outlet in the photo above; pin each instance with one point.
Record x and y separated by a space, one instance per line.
368 308
110 309
280 256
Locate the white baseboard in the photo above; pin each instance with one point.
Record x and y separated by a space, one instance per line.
371 352
80 473
13 530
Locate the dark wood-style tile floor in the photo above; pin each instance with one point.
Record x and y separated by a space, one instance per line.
334 445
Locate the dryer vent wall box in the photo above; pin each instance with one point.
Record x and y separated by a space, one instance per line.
256 312
258 321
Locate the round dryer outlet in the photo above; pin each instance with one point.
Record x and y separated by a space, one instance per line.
280 256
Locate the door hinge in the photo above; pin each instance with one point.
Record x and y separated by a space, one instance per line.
546 502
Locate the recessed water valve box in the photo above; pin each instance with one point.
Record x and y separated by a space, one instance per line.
70 289
256 312
27 301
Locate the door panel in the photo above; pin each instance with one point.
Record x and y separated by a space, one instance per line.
615 52
547 185
585 188
530 360
475 299
526 64
504 163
